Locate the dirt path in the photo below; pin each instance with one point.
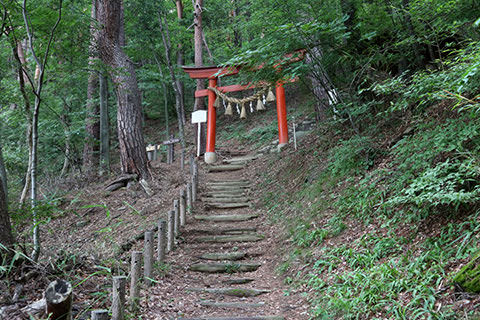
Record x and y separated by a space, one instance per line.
224 264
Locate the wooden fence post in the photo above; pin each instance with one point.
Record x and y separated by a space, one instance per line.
148 257
176 210
189 197
99 315
182 208
162 240
194 180
134 280
118 301
191 160
58 297
170 233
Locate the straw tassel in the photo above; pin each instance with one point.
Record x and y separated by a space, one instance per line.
229 111
243 114
260 105
270 95
216 104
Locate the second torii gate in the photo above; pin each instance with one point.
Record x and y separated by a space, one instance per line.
212 74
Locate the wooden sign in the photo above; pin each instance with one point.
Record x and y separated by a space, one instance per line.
171 141
199 116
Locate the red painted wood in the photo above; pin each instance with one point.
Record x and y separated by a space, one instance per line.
210 72
212 117
235 88
281 114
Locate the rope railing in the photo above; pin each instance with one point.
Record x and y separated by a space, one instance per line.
243 113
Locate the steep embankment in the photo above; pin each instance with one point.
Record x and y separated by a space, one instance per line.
376 225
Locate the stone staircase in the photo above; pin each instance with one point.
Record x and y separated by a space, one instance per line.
226 245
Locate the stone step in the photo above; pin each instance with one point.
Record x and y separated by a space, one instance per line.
224 199
231 238
232 305
236 318
225 167
226 217
228 183
244 158
224 267
234 292
233 256
228 187
225 194
218 205
238 281
225 230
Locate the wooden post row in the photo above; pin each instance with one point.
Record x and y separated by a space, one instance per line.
58 297
118 297
170 233
189 197
135 278
148 257
182 208
176 210
162 240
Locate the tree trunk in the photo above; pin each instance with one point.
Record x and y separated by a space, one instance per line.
180 62
104 126
6 238
3 175
178 99
64 119
19 55
133 156
165 98
198 41
321 86
92 123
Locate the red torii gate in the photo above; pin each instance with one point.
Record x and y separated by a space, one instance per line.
212 74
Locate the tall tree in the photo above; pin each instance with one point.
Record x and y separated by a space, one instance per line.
198 45
180 62
133 156
92 121
37 85
176 87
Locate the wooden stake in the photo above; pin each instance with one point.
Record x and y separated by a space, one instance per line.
148 257
189 197
182 208
99 315
176 210
58 298
118 300
134 280
170 233
162 240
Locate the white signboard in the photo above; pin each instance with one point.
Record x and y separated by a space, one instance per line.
199 116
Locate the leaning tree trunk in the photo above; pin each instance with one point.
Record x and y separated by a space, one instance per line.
92 123
133 156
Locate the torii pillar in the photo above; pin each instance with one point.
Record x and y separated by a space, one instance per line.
212 74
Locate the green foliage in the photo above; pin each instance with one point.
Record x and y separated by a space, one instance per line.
352 156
